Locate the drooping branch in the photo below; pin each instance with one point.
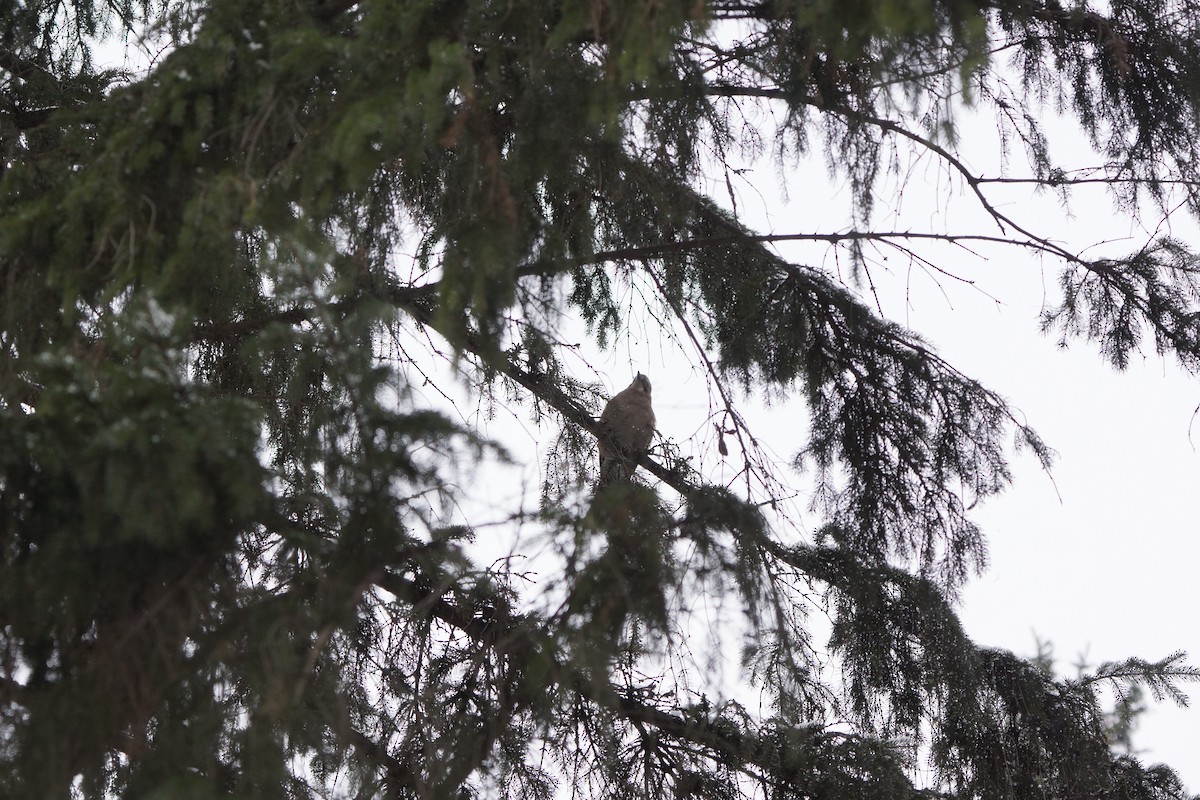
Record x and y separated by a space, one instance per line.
771 755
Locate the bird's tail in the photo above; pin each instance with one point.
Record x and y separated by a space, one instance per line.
614 469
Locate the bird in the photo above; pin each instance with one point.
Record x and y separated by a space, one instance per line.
626 428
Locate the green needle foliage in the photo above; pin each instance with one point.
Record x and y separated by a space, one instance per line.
240 519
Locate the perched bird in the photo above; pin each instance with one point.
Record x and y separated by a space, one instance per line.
626 428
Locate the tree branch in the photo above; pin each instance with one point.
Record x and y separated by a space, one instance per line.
523 641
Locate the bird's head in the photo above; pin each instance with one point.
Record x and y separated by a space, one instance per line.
641 382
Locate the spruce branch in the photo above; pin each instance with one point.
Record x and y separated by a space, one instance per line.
768 754
1160 677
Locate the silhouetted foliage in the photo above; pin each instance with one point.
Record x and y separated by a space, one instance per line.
243 520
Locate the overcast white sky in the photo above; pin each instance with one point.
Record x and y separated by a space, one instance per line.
1103 561
1107 570
1100 558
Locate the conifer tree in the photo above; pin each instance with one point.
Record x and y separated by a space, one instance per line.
240 533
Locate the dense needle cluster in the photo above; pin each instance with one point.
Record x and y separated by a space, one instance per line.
239 536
